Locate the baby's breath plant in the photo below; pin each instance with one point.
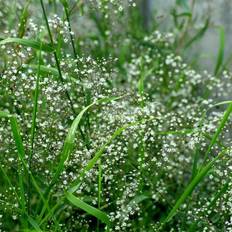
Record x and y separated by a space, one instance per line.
103 128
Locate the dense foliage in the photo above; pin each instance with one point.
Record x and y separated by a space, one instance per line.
105 127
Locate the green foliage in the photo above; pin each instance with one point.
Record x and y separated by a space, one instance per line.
108 127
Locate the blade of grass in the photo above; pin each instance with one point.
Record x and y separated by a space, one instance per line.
70 138
218 131
44 70
138 199
221 51
28 43
103 217
191 186
34 224
99 153
74 186
20 149
19 199
219 194
69 143
141 83
21 153
195 162
199 34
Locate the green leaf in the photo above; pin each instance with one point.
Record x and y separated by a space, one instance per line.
199 34
34 224
103 217
98 154
221 51
138 199
4 114
219 194
28 43
219 130
192 185
21 154
69 141
64 3
184 4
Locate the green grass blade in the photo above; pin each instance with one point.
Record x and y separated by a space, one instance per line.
4 114
21 153
219 130
20 149
221 51
99 188
43 69
141 83
219 194
17 137
192 185
184 4
221 103
138 199
69 141
28 43
34 224
103 217
99 153
199 34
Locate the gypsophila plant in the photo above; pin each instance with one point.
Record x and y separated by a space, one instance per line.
104 128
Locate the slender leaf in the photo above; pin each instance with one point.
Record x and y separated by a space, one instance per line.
199 34
34 224
219 194
21 153
69 141
221 51
28 43
219 130
191 186
100 152
88 208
